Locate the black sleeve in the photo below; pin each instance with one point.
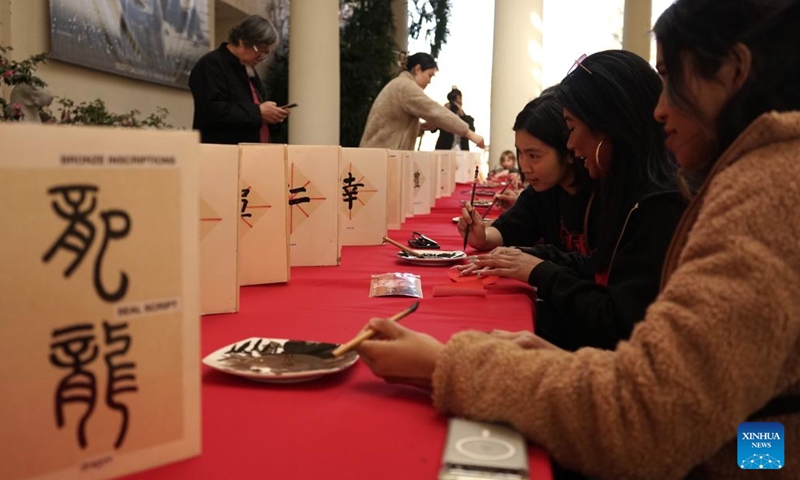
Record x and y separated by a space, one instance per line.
600 316
572 260
221 103
523 224
470 122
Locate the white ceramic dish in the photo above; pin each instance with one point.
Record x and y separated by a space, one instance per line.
276 360
433 257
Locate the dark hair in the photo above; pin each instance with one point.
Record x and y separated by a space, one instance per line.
617 99
454 93
424 60
253 30
543 117
768 28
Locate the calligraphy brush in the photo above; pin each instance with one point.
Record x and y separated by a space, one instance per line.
495 200
471 202
402 247
369 333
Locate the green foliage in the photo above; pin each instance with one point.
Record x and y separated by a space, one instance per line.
14 73
366 62
430 17
84 113
95 113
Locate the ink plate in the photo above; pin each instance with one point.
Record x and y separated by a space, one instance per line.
478 203
433 257
274 360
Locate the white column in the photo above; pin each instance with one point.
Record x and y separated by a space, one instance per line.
516 67
400 12
314 72
636 27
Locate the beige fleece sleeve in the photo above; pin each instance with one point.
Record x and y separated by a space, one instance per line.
717 344
416 103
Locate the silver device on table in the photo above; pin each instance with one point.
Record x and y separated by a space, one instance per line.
483 451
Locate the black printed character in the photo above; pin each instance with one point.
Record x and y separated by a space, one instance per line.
245 193
416 179
81 201
293 200
74 348
121 378
350 193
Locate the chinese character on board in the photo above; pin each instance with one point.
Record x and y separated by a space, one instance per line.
75 204
350 188
245 193
293 200
74 348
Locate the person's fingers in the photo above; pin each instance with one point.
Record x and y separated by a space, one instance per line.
476 218
390 330
466 216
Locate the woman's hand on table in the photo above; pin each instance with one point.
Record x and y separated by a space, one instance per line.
504 262
506 199
401 355
524 339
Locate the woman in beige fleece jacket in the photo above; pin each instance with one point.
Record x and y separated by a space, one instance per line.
721 343
393 120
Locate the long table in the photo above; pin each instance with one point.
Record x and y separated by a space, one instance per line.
351 425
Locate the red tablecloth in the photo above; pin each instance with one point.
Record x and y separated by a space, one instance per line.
351 425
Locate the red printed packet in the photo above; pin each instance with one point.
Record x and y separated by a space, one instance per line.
485 280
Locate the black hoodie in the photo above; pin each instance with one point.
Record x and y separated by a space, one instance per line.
551 217
583 307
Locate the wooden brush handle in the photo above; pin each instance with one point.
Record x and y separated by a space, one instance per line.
402 247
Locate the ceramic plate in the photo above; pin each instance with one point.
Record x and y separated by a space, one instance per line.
487 221
433 257
478 203
275 360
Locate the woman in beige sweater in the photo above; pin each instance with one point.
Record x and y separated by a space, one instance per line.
721 343
393 120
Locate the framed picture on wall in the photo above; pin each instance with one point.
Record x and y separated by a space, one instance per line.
154 40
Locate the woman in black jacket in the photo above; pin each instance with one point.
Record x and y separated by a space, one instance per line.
552 207
446 140
229 99
595 300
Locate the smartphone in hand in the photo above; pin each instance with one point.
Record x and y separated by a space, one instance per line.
291 105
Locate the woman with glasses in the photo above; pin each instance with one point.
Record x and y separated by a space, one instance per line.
594 297
230 103
720 346
394 118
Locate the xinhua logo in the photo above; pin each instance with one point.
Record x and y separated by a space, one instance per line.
760 446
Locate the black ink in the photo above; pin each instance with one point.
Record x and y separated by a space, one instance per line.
80 230
75 347
111 234
416 179
76 343
245 193
350 193
79 234
296 201
120 377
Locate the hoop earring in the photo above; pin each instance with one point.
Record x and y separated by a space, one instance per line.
597 154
